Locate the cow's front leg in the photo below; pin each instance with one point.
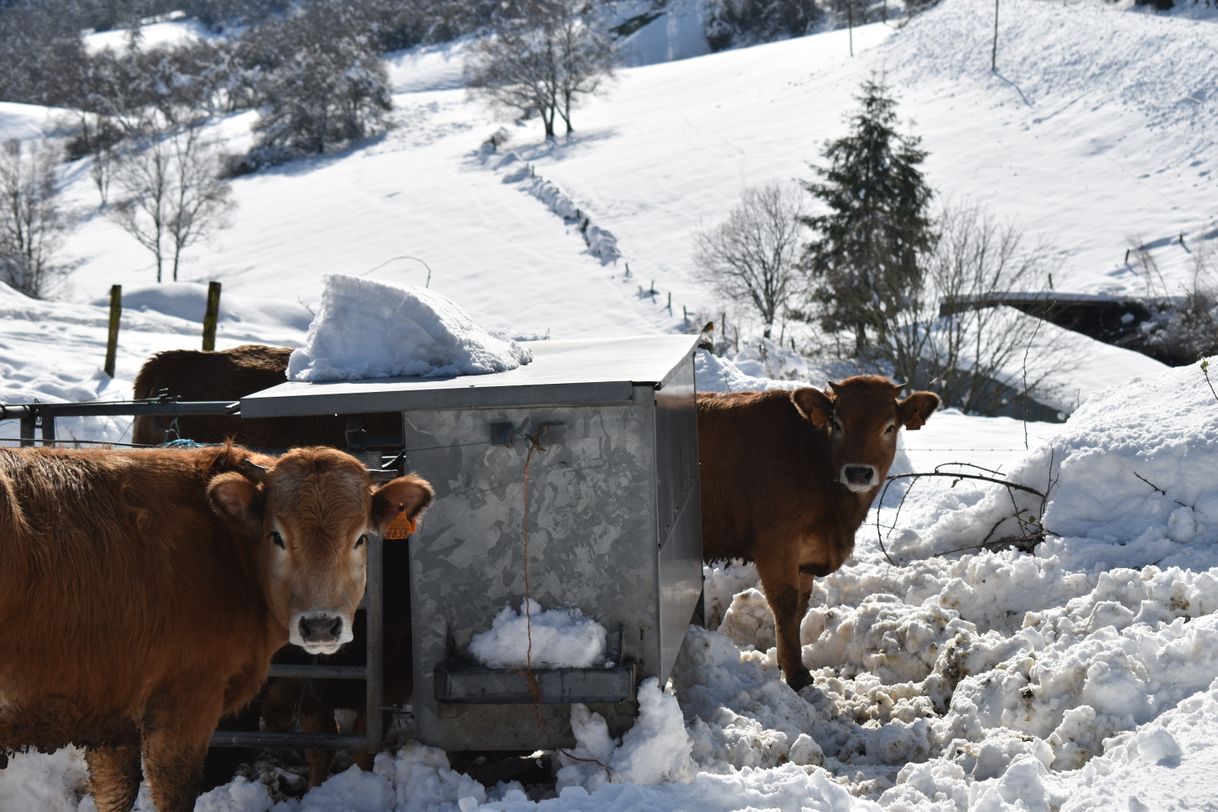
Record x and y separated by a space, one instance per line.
782 589
176 736
805 595
114 777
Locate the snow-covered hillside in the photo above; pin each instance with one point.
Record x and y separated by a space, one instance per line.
1080 676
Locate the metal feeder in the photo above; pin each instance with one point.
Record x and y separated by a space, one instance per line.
608 431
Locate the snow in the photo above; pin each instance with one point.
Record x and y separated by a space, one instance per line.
1070 367
365 329
26 121
551 638
1156 456
677 32
164 32
656 749
1081 675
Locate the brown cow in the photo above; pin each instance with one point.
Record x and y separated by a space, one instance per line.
142 594
229 375
788 477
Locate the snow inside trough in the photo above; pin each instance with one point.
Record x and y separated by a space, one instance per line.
554 638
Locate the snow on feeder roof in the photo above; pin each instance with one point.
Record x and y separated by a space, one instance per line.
368 330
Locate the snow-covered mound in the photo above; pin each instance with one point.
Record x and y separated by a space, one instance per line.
1151 442
169 31
655 749
365 329
553 638
188 300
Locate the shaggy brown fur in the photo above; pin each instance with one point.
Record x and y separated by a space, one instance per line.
142 594
230 375
772 470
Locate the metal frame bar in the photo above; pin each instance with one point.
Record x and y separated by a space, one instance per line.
34 416
372 672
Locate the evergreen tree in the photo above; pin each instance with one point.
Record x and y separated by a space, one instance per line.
867 251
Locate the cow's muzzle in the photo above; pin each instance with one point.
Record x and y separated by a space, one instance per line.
320 632
859 478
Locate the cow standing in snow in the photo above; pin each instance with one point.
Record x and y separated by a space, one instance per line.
142 594
788 477
232 374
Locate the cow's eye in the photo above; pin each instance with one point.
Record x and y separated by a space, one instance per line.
278 539
361 541
891 428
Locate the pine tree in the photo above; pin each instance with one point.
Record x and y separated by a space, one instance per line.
868 248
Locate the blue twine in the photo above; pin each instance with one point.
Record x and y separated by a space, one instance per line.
181 443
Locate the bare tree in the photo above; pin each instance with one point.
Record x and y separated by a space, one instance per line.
32 225
172 194
1183 322
543 60
754 254
953 339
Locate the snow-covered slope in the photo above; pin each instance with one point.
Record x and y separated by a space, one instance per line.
1086 141
1089 143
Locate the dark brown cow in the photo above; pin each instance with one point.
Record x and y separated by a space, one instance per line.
229 375
232 374
142 594
787 478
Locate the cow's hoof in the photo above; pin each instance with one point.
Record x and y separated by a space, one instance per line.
798 680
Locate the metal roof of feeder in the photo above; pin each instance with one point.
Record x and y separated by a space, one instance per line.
584 371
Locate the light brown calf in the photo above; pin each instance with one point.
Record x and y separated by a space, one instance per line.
142 594
787 478
230 375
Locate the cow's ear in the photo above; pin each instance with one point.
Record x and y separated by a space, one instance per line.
814 405
237 499
403 499
916 409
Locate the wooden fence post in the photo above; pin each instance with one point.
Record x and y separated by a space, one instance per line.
116 312
211 316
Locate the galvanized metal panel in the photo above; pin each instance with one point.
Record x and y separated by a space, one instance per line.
496 686
678 514
680 583
585 371
676 442
610 490
591 544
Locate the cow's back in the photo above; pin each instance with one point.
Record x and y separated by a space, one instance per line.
192 375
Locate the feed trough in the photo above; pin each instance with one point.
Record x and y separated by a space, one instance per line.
587 458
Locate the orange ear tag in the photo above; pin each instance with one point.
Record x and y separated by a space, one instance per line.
400 528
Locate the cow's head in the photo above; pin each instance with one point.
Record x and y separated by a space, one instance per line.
313 510
862 415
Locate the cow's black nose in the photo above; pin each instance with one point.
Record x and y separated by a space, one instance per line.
321 628
859 474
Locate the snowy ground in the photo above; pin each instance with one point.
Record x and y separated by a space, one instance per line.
1081 676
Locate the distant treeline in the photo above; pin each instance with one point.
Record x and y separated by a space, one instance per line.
43 58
